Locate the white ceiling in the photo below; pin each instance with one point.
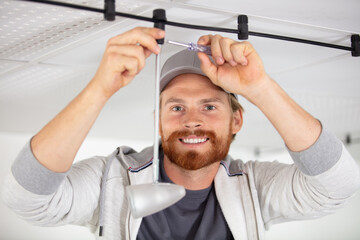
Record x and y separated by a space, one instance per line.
48 54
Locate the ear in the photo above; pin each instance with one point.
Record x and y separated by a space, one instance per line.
237 121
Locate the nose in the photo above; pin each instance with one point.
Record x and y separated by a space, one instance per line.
192 121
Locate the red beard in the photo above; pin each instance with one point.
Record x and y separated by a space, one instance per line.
193 160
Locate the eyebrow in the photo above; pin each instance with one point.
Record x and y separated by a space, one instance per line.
202 101
174 100
210 100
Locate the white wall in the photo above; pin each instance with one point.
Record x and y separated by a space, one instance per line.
342 225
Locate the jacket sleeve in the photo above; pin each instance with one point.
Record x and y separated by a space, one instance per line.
320 181
46 198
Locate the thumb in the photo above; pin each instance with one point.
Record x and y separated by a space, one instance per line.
208 67
147 52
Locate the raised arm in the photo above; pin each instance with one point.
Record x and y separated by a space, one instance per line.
324 175
56 145
240 70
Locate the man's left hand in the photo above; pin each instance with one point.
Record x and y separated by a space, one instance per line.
237 68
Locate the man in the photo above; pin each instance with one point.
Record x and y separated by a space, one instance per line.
225 199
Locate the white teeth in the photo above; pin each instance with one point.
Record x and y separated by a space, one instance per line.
194 140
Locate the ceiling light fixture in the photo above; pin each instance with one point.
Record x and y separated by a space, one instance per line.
146 199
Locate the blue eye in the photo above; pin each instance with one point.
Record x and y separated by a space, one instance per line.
210 107
177 108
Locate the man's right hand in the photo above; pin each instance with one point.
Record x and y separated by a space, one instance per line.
124 58
56 145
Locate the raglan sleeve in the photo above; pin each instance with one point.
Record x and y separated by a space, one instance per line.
46 198
322 178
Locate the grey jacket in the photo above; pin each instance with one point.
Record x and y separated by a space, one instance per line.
252 195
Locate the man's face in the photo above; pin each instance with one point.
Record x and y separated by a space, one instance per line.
196 122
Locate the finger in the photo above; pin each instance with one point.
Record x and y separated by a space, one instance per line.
216 49
208 67
204 40
147 52
225 45
145 37
129 66
133 51
239 51
148 38
120 63
131 36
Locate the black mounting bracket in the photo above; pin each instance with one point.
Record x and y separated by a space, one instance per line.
159 16
109 10
355 45
243 29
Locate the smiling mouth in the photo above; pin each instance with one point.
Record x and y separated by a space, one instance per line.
193 140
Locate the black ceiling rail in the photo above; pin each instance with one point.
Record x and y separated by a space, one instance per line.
355 42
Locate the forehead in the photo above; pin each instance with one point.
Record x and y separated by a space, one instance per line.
192 85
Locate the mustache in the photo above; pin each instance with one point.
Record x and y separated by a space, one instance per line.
184 133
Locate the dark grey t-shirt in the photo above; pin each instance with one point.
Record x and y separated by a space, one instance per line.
196 216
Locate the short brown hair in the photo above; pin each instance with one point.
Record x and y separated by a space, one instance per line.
235 106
